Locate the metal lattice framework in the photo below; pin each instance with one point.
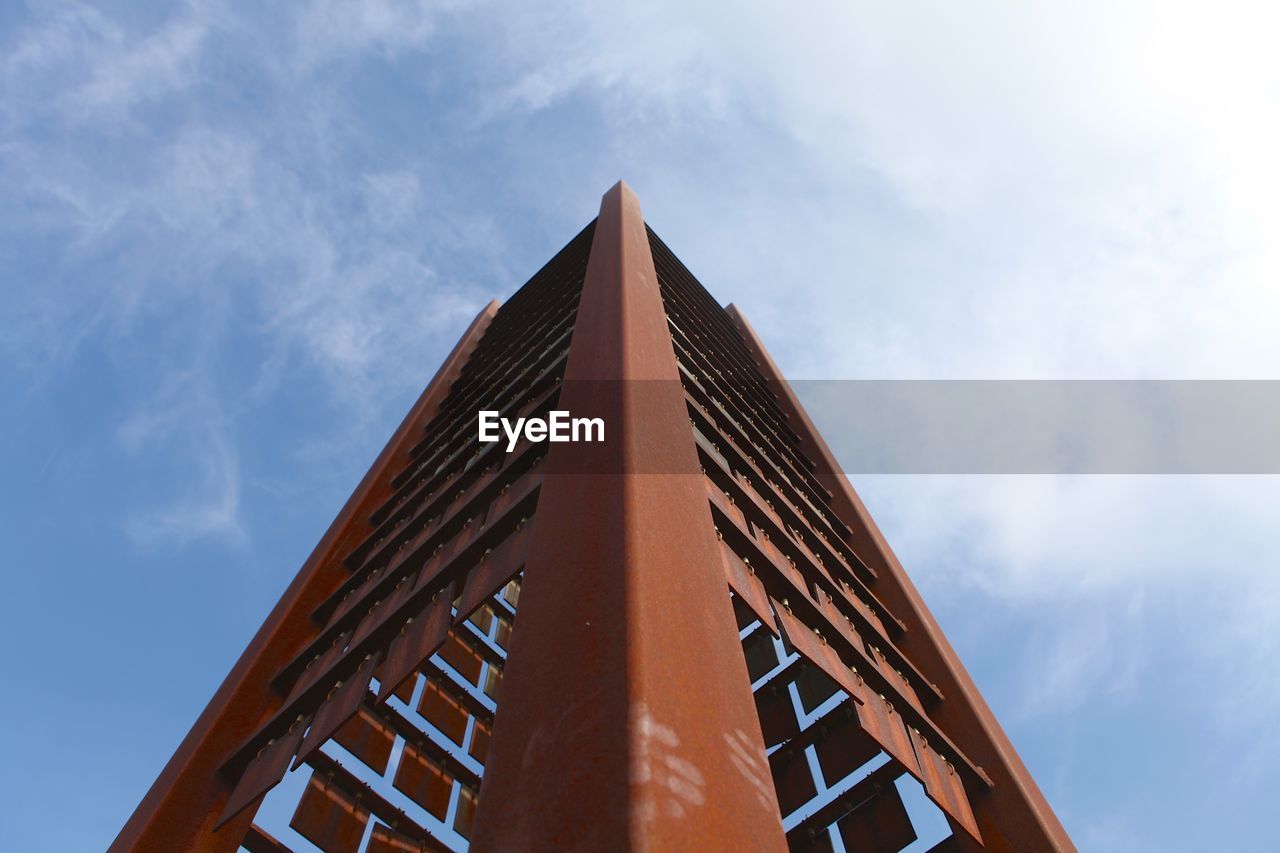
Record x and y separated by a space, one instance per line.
715 648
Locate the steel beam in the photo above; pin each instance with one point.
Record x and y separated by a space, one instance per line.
626 720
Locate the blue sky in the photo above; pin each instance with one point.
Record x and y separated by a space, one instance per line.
235 243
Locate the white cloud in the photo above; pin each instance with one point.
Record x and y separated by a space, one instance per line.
126 70
235 236
186 418
1131 583
85 66
210 510
1086 191
331 28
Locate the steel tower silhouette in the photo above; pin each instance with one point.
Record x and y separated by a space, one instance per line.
688 636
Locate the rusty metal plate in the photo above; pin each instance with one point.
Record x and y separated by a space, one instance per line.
815 649
896 678
369 738
778 721
444 709
265 770
880 824
744 583
843 747
760 654
781 562
383 609
416 642
432 527
466 814
480 735
743 615
424 781
385 839
810 555
330 817
459 654
820 843
446 551
502 637
942 784
354 597
838 620
492 681
792 779
434 562
493 571
814 687
511 592
319 666
882 722
508 497
762 504
341 705
725 504
482 618
258 840
404 692
864 609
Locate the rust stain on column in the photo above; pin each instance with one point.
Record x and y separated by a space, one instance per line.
627 721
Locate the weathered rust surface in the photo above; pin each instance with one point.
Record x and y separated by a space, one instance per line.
843 746
1014 814
265 770
183 804
496 567
625 626
742 579
444 709
813 648
330 817
417 641
368 738
341 705
879 824
942 784
425 780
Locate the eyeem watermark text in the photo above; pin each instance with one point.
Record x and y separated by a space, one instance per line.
557 426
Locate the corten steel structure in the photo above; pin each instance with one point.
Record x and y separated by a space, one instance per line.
715 647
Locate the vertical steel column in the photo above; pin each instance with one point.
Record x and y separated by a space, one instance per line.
626 720
179 811
1013 815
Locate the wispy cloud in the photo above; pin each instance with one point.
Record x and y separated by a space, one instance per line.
332 29
184 418
170 210
1125 583
210 510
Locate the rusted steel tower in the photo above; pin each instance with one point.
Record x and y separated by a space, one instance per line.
715 649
